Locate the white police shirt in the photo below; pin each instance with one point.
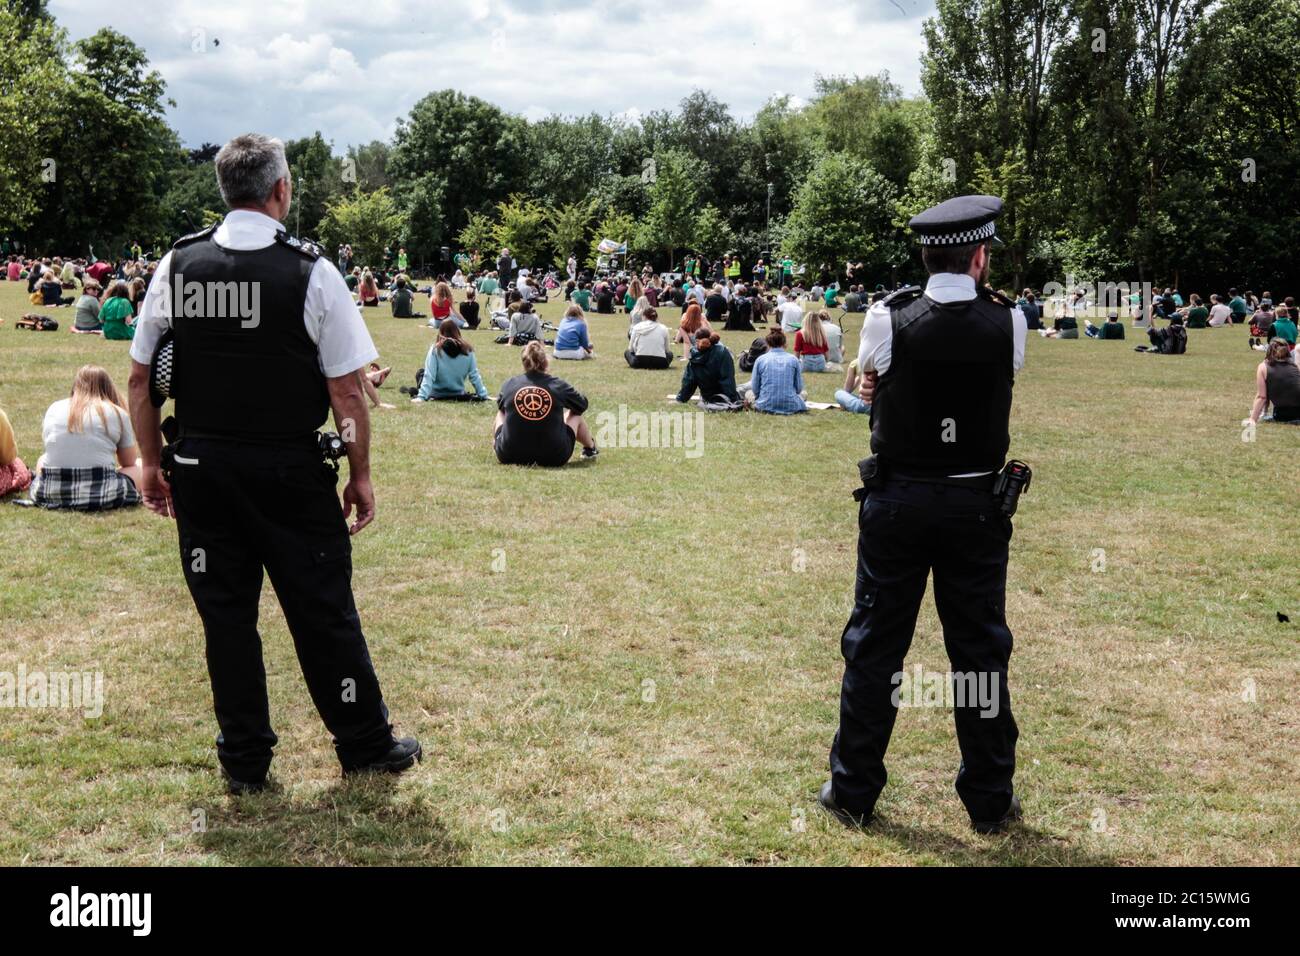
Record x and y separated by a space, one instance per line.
330 313
876 346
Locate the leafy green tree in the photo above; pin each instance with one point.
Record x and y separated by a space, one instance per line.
368 167
368 221
476 239
479 151
112 149
521 226
712 236
31 71
424 211
568 157
844 211
192 193
317 181
567 228
670 223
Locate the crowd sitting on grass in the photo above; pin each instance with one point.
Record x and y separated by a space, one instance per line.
89 460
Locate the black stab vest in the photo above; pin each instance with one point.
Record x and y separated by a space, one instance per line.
244 366
944 405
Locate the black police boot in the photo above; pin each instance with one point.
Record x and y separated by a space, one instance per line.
827 800
1013 815
238 788
401 756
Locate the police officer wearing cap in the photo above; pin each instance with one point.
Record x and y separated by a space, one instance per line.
249 313
936 498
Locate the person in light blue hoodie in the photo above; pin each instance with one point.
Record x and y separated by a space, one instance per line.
449 365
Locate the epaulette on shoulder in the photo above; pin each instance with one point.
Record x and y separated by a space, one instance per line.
993 295
195 236
303 246
902 296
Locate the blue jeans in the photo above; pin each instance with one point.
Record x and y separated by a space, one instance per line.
814 363
851 403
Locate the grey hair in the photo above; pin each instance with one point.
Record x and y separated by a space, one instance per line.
248 167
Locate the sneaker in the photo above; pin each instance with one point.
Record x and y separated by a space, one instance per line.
591 452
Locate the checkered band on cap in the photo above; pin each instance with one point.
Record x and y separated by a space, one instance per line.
959 238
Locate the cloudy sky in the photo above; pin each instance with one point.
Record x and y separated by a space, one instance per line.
349 69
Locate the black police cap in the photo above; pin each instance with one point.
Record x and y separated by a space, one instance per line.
958 221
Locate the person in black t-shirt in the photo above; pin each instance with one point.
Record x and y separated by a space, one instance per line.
539 417
469 309
715 306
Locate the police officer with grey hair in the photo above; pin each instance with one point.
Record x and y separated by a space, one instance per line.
938 494
246 479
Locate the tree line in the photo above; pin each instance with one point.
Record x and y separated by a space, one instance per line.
1147 140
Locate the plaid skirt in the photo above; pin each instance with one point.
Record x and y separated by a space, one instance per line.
84 489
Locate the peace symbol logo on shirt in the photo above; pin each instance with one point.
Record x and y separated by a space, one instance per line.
533 403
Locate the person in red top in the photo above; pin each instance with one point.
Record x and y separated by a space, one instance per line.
14 271
440 303
99 271
810 343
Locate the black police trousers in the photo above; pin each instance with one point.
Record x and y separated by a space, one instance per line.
907 529
241 508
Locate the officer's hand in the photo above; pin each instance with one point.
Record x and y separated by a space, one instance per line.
359 493
867 386
156 492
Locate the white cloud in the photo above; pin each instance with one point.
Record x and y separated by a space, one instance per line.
349 69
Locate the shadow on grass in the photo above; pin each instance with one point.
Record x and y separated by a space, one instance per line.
353 823
1022 845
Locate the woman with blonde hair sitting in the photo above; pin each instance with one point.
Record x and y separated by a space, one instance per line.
440 305
368 290
90 461
810 344
539 417
573 340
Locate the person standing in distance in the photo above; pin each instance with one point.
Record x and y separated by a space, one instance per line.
940 364
246 480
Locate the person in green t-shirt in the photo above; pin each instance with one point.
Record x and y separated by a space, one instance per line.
401 259
582 296
116 313
1197 315
1284 326
1237 305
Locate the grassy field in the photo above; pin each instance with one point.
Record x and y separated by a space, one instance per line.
654 677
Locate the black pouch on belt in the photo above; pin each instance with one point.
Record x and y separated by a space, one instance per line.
870 473
1012 481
